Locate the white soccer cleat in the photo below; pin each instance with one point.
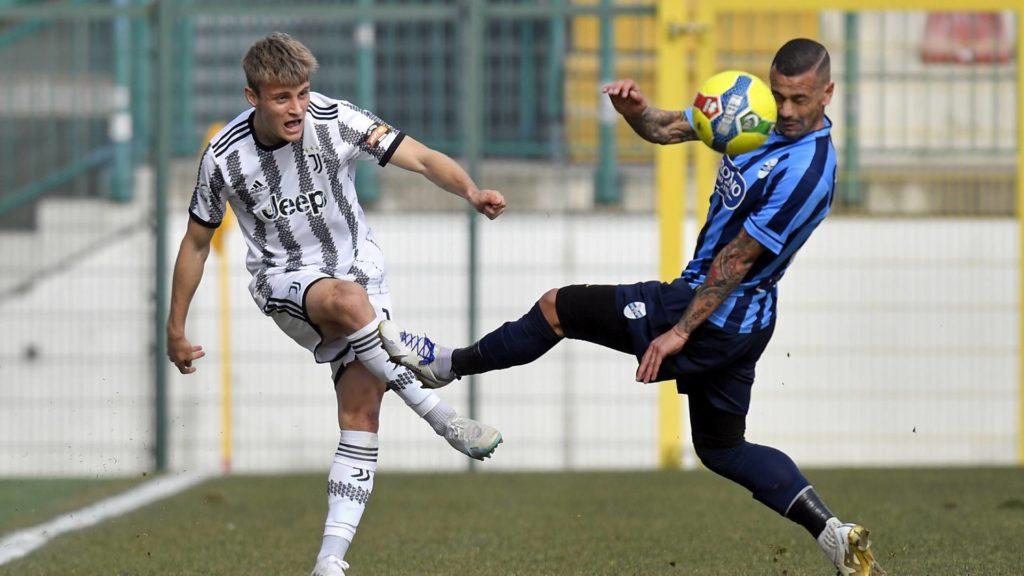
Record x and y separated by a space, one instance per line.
329 566
415 353
472 438
849 549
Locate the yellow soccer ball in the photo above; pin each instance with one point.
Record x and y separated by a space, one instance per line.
734 112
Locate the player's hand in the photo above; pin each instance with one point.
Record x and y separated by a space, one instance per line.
182 353
490 203
626 97
668 344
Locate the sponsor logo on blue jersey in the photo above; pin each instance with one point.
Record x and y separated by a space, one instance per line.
730 184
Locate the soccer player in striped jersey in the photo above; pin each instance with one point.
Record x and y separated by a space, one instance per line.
706 329
286 168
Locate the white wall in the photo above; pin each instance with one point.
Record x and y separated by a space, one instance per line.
897 345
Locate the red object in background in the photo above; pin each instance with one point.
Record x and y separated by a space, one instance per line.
966 37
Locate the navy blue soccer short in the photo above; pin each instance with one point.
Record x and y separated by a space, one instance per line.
628 317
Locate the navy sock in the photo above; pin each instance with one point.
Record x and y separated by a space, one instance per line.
512 344
771 476
809 511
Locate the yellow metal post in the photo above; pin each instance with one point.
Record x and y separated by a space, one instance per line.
1020 234
219 245
224 294
670 179
706 160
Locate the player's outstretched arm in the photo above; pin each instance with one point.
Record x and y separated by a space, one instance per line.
447 175
728 269
650 123
188 271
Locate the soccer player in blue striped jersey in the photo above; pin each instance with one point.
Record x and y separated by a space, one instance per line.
707 328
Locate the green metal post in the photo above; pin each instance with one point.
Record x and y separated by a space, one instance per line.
851 190
438 127
607 186
164 126
120 129
553 100
365 40
185 141
527 87
140 96
472 123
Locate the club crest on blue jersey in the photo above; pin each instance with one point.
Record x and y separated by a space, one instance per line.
635 310
730 184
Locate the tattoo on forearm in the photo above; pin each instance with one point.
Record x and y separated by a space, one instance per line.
728 269
662 126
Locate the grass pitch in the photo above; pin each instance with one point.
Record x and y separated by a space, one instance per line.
924 522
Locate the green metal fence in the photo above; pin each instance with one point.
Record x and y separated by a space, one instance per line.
103 104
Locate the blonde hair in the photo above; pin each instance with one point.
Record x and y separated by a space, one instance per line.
278 59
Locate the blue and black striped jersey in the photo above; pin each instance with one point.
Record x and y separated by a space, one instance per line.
778 193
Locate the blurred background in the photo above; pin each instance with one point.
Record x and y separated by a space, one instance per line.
898 340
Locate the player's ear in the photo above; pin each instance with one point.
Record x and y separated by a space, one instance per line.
829 89
251 96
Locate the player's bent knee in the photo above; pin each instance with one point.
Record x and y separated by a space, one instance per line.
344 304
719 459
718 449
548 308
346 296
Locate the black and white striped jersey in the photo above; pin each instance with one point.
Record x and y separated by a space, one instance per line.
296 203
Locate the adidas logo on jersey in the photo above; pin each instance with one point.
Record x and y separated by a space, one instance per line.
277 206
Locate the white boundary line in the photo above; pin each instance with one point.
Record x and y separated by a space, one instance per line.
23 542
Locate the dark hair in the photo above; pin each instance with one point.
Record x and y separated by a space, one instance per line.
800 55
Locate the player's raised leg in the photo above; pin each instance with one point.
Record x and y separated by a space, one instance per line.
512 344
343 309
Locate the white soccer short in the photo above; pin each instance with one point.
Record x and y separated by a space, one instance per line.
287 306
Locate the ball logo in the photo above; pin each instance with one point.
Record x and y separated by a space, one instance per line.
708 105
277 206
730 184
732 107
635 310
752 122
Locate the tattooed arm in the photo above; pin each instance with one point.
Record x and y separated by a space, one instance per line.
728 269
650 123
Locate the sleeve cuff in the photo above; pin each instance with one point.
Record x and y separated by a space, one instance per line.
688 114
391 149
203 223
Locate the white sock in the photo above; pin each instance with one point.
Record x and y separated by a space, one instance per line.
333 546
369 351
829 542
349 486
438 417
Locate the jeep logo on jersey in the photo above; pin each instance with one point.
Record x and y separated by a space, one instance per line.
730 184
277 206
